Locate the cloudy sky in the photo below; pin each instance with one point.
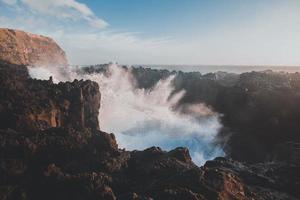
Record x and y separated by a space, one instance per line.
216 32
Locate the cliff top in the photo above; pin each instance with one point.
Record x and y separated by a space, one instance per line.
22 48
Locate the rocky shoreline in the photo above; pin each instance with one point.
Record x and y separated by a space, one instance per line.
66 156
260 110
51 147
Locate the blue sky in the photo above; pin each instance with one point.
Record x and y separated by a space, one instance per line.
173 17
222 32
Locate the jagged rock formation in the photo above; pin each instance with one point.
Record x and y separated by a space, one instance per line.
260 111
72 159
51 146
19 47
28 104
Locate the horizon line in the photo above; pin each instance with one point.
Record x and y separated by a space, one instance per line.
194 65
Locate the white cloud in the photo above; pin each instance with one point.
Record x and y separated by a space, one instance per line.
96 22
68 9
271 37
89 47
9 2
106 46
58 7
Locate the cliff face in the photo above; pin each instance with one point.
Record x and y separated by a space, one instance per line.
28 104
21 48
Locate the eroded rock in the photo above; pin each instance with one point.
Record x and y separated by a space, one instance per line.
21 48
29 104
51 148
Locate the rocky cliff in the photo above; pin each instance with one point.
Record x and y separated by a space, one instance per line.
19 47
28 104
51 148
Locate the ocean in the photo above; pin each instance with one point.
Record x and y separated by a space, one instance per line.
226 68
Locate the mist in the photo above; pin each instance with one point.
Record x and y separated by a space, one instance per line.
144 118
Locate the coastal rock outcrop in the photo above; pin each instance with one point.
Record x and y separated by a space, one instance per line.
51 148
260 111
29 104
21 48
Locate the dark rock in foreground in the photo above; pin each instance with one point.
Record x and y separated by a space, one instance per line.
28 104
51 148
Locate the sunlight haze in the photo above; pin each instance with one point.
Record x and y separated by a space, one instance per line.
219 32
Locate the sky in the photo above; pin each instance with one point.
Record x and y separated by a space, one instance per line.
191 32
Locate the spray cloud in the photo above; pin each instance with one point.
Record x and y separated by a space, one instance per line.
143 118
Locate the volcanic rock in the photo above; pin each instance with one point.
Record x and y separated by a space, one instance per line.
29 104
259 111
51 148
21 48
67 157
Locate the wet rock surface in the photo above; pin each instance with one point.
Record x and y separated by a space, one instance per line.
28 104
68 157
260 110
